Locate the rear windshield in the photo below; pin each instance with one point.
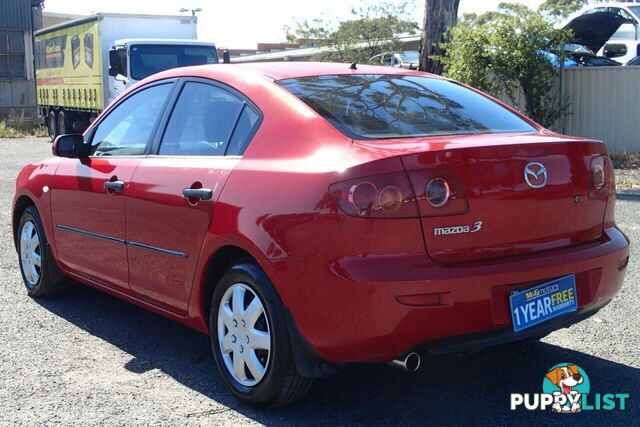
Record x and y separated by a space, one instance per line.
365 106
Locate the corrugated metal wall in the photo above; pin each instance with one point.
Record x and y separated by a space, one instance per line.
604 104
18 96
15 14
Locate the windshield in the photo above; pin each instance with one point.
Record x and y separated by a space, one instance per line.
390 106
410 56
150 59
635 10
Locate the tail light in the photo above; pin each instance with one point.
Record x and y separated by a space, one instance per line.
381 196
438 192
433 192
602 177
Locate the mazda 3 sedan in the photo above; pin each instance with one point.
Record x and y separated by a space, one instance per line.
306 216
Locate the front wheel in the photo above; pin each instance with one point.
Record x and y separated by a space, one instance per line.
251 342
40 274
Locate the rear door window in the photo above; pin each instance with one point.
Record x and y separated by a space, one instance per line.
208 121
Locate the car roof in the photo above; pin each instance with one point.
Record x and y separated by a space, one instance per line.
288 70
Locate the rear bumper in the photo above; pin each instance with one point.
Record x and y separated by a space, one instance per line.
349 309
479 341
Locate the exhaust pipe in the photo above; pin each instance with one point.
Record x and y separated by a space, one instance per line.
408 363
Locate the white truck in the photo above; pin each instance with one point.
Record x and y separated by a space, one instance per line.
84 64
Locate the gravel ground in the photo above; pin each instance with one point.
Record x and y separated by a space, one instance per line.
90 359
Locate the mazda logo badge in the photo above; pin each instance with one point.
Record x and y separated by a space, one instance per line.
535 174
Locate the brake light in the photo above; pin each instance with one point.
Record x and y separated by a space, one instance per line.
611 176
602 177
430 192
381 196
598 178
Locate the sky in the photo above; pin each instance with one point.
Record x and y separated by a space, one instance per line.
243 23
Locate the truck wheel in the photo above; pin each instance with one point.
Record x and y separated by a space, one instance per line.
52 124
251 342
62 123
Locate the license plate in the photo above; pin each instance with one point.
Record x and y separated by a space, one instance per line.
535 305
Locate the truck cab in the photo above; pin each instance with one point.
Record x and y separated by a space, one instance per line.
132 60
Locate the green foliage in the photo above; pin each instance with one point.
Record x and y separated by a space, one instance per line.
502 52
15 126
7 131
374 28
624 160
559 9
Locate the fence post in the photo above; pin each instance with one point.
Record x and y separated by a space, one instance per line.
561 90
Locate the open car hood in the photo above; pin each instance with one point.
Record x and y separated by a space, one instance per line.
593 30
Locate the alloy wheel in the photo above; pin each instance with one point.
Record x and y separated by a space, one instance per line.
30 253
244 335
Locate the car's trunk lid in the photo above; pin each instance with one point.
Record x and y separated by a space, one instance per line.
505 215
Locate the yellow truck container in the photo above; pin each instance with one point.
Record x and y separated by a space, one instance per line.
84 64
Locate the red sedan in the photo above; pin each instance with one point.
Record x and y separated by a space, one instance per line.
310 215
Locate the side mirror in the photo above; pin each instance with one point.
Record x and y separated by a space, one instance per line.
71 145
115 64
615 50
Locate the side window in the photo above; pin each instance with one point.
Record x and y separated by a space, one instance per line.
128 128
243 132
201 122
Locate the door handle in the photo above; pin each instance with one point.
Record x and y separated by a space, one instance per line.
115 186
198 193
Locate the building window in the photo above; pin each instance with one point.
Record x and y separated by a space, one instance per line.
12 64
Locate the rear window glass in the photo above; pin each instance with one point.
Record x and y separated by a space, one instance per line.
391 106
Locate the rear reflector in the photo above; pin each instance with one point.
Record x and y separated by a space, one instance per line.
421 300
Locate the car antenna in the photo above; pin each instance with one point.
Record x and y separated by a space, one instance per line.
353 66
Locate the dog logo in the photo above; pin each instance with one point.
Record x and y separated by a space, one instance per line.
567 383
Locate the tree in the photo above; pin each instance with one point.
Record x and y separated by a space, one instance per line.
507 51
439 17
559 9
374 28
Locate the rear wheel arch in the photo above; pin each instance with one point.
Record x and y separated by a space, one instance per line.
307 360
219 262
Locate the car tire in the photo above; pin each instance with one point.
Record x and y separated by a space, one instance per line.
52 125
279 384
40 274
